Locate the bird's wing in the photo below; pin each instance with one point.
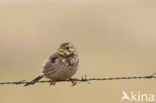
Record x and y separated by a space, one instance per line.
50 65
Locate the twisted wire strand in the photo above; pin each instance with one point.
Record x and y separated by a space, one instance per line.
85 79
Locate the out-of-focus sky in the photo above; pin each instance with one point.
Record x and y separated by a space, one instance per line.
116 38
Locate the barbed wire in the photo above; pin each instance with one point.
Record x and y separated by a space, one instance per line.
85 79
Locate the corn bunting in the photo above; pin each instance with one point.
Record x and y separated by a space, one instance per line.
62 65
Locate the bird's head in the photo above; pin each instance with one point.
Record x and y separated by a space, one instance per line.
67 49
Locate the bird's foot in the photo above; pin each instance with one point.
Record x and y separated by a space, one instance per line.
52 82
74 81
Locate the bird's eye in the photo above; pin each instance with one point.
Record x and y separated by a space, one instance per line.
67 47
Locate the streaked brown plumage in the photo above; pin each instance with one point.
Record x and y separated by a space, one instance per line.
62 65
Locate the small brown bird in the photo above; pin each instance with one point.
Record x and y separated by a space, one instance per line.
62 65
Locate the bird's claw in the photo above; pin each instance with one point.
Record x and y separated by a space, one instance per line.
52 82
74 81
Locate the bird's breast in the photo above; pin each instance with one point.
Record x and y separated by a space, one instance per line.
65 68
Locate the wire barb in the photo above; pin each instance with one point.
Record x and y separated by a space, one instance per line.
85 79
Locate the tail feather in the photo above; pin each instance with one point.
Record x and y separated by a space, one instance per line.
34 80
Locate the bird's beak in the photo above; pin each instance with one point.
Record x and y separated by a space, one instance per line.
61 50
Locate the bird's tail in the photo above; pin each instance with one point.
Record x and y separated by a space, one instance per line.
34 80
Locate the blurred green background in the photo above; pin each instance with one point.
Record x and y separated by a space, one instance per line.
114 38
